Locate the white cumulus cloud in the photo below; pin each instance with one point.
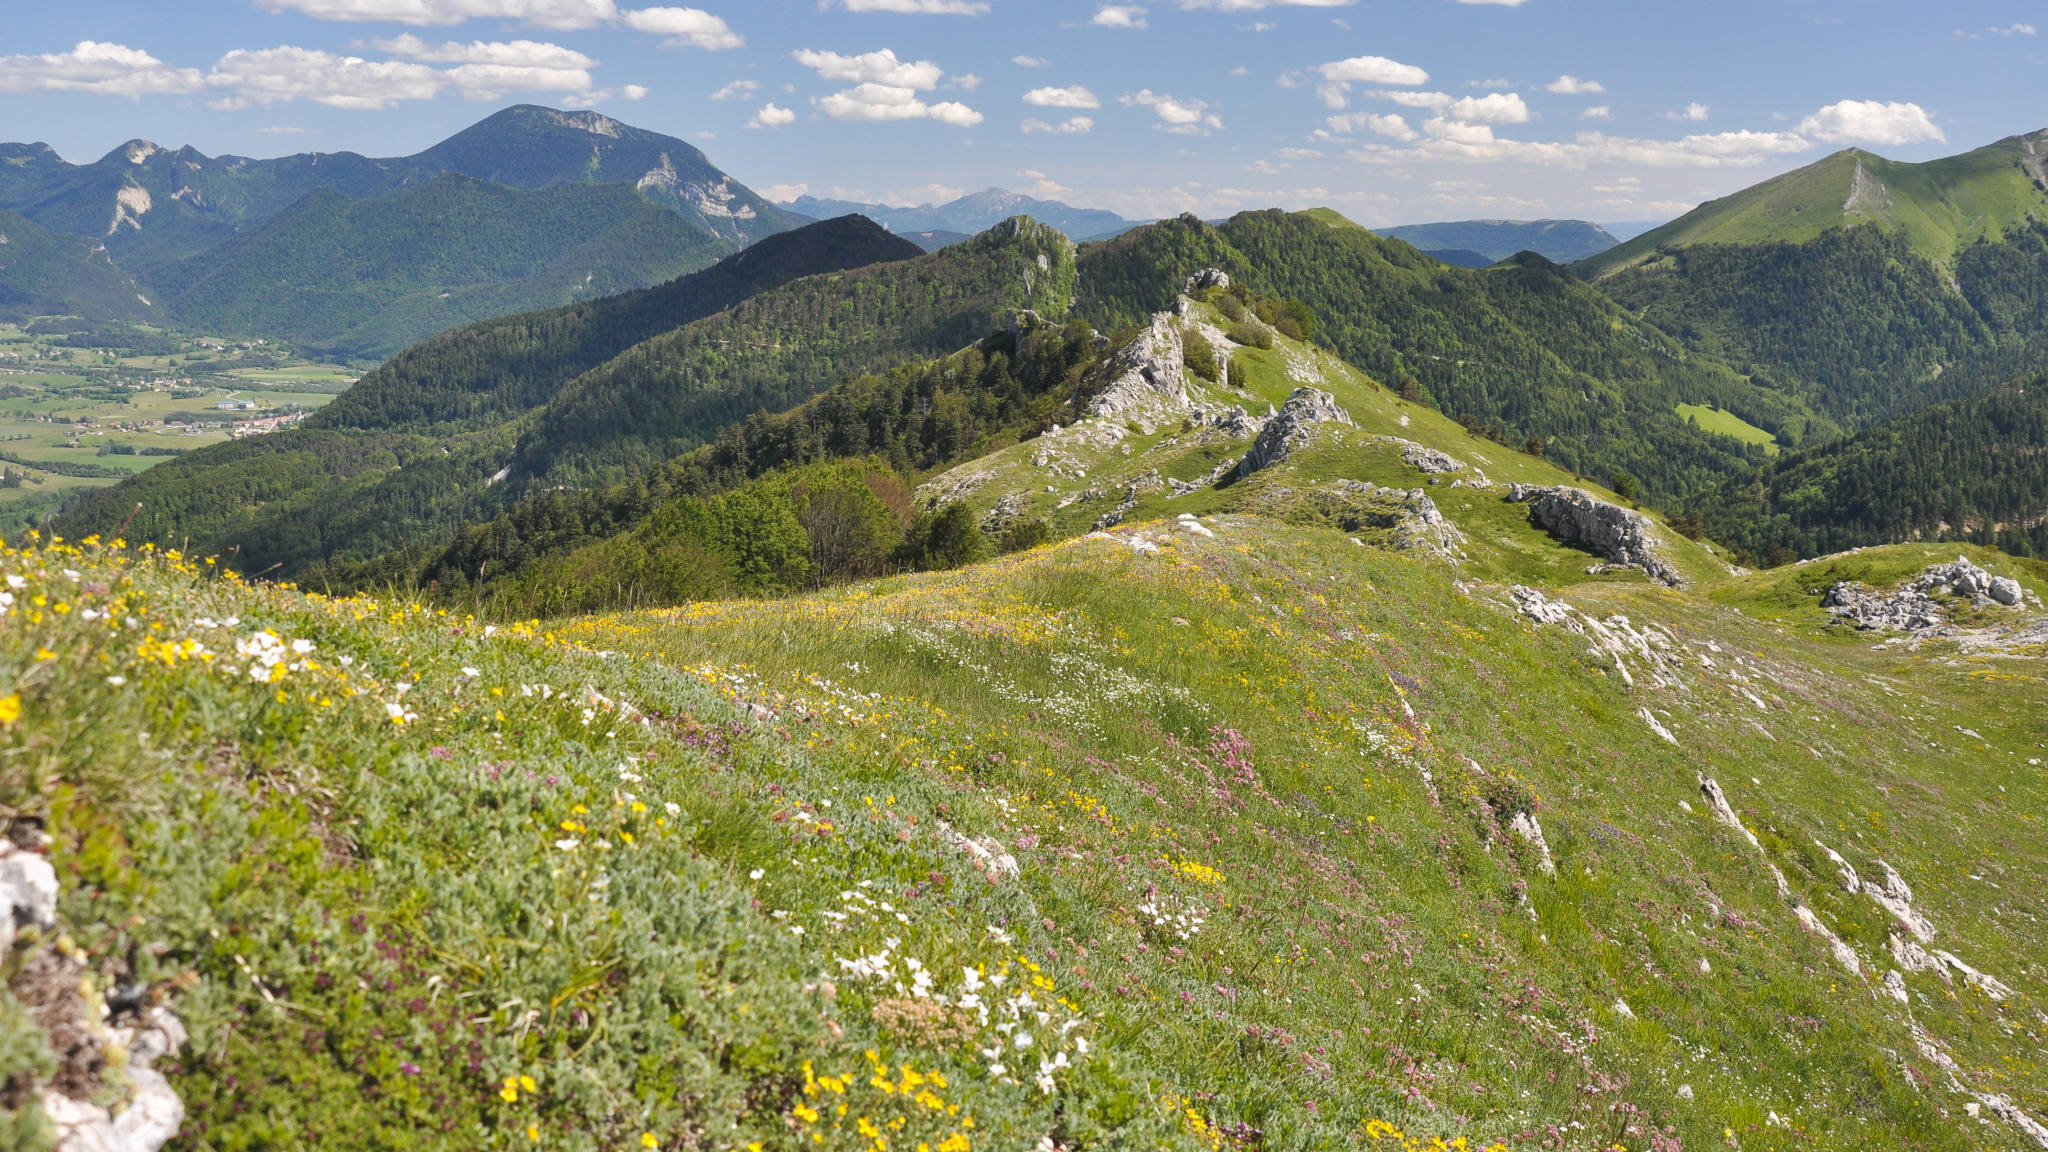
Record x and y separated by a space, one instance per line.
99 68
1119 16
1598 112
886 102
1492 108
1391 125
737 90
1569 85
1074 97
553 14
885 88
1871 122
1077 126
1029 61
269 75
771 116
685 28
1694 112
488 70
1180 117
872 68
1340 75
918 7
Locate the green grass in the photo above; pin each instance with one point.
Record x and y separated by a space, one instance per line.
1314 746
1723 423
1941 205
1501 532
46 384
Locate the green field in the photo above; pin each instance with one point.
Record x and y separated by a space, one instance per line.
1728 424
66 411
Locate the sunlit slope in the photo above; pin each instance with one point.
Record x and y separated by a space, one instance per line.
1128 462
1322 748
1941 205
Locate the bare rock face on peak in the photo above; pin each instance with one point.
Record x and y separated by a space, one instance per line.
1623 538
1293 427
1149 374
1206 279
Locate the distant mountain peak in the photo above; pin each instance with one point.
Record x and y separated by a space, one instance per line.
973 213
1941 206
1562 241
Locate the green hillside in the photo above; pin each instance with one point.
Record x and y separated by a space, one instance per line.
366 278
46 275
1249 837
1857 287
1972 470
352 487
1940 206
1522 352
677 391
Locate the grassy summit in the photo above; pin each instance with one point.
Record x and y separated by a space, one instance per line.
1942 205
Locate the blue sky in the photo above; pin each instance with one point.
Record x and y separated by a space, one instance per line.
1392 111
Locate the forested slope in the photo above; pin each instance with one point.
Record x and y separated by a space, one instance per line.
44 274
1523 351
407 452
366 278
1973 470
677 391
1854 322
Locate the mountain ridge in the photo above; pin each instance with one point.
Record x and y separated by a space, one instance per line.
155 207
1563 241
1940 205
367 278
974 213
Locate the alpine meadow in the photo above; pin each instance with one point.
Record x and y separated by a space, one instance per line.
1422 581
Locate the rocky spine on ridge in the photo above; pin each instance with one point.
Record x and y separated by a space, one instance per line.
1293 428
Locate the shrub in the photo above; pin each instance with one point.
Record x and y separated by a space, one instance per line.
1231 307
1201 356
1024 535
945 538
1251 334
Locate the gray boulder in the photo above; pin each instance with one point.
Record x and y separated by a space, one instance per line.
1293 428
1622 537
1912 608
28 889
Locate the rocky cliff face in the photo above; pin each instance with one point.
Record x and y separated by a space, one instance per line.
1623 538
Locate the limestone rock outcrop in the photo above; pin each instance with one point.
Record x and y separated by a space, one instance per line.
1620 536
1293 428
1148 375
1912 607
151 1113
